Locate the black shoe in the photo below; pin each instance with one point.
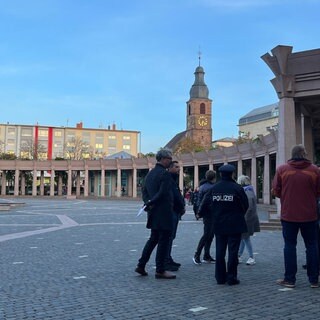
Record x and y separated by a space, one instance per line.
196 260
171 267
304 266
141 271
208 259
233 282
173 263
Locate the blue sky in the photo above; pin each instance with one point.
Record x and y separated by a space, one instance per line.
131 62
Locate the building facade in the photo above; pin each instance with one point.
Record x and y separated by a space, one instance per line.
49 142
259 121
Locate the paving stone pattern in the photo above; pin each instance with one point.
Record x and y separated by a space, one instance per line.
81 268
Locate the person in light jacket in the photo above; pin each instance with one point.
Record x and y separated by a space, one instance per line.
252 220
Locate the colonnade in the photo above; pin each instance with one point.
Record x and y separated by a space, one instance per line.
124 177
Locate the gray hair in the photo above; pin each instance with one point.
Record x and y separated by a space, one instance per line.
163 153
298 152
244 180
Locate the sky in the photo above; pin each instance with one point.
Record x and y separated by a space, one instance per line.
131 62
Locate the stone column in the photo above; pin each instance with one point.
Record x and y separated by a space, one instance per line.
254 173
103 182
78 183
16 182
69 191
266 179
3 183
118 182
34 182
23 183
181 178
52 183
41 183
196 176
86 181
59 185
240 167
134 183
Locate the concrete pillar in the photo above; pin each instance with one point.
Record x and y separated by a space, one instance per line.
181 178
16 182
254 173
287 129
118 193
69 191
41 183
59 185
23 183
86 182
266 179
103 183
134 183
240 167
52 183
78 184
196 176
34 183
3 183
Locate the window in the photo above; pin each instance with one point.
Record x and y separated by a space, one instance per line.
202 108
11 131
58 133
99 146
126 147
11 142
26 132
43 132
112 137
126 138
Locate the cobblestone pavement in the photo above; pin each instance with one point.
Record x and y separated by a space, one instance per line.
74 259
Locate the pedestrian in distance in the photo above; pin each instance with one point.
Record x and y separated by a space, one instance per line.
297 184
252 220
178 209
208 235
157 195
227 203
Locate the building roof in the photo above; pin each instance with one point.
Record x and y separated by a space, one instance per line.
120 155
261 113
199 89
175 140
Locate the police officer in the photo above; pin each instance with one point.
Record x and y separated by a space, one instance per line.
227 203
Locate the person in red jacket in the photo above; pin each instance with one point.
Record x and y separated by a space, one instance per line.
297 184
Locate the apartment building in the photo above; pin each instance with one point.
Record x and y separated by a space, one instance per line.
49 142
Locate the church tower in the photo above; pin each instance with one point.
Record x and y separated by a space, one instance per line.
199 127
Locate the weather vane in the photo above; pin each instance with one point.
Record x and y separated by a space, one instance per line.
199 54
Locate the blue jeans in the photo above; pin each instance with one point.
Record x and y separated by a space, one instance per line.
246 243
308 231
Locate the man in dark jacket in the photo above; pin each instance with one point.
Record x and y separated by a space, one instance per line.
208 235
227 203
157 194
179 210
297 184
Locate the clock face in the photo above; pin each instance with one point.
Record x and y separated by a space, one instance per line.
203 121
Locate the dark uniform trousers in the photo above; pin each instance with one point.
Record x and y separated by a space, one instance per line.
227 272
162 239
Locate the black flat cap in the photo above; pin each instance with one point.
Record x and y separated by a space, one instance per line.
227 168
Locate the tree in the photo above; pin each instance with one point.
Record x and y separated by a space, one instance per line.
188 145
31 150
77 149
